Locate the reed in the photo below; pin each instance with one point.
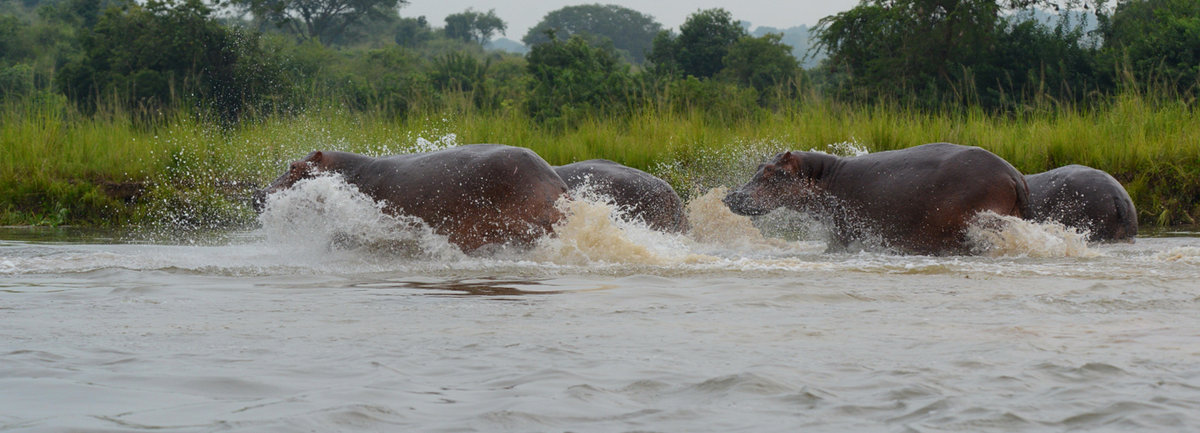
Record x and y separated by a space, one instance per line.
115 167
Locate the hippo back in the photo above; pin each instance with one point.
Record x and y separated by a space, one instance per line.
922 199
640 194
1084 197
476 194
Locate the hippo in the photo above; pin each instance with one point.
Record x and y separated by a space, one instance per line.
641 195
1085 198
918 200
475 195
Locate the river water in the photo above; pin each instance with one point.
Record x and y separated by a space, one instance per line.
335 317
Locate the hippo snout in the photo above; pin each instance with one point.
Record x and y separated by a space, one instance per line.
742 204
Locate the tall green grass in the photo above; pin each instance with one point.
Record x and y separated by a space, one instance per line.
60 166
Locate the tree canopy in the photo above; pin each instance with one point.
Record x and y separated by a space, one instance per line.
761 63
411 32
573 75
150 55
948 49
1159 40
323 20
628 30
1000 55
473 26
699 50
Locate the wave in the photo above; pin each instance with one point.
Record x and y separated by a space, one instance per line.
323 225
1188 255
325 213
1001 235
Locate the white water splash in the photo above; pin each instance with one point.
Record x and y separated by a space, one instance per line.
598 232
325 212
848 148
1189 255
715 226
1002 235
445 141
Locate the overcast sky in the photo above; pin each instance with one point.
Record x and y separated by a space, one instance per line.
520 15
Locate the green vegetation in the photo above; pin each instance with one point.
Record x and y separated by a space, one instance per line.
628 31
700 48
328 21
473 26
63 166
116 113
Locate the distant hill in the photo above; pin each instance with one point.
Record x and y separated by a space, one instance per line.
506 44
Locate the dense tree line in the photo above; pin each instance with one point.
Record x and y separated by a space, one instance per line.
256 56
934 52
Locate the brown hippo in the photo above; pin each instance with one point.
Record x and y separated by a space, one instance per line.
639 194
1085 198
917 200
475 195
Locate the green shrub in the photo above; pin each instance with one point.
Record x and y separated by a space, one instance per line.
167 52
573 79
16 81
40 201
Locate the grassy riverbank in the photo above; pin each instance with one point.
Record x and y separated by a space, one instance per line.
60 166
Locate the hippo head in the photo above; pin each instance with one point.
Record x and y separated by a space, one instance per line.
312 165
788 180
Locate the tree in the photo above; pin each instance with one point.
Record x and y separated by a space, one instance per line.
473 26
629 30
323 20
575 77
462 72
761 63
703 41
1030 59
16 77
664 55
927 49
1157 40
411 32
389 80
82 13
906 45
12 48
799 38
167 51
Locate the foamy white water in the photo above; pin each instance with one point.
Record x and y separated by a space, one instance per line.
336 317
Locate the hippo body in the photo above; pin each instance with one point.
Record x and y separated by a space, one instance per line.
918 200
639 194
475 195
1085 198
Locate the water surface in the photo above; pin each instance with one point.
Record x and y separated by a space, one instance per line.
323 321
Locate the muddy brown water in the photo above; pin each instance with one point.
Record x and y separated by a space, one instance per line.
326 320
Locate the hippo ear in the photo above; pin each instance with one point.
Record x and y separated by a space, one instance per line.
790 160
316 156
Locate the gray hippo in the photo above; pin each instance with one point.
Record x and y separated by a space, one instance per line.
641 195
475 195
919 200
1085 198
